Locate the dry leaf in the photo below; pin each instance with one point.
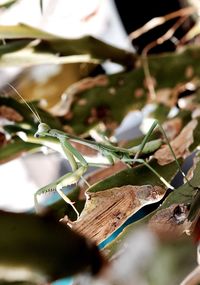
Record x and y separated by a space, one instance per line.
106 211
190 172
180 145
69 95
166 96
196 113
2 139
169 223
10 114
193 278
172 127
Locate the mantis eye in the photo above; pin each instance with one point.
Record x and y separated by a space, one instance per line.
42 130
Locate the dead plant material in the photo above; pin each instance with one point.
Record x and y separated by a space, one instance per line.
180 145
196 113
10 114
193 278
153 23
169 223
190 172
2 139
105 211
167 97
172 127
70 94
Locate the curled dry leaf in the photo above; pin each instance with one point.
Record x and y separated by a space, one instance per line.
180 145
99 175
10 114
190 172
169 223
106 211
68 97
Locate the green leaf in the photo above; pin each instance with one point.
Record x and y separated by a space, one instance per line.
132 176
43 248
10 47
22 31
28 57
67 47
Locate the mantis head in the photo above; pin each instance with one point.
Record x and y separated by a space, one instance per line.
43 129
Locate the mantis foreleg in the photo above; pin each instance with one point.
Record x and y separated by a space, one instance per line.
77 173
71 177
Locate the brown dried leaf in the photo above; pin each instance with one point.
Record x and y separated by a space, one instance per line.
106 211
180 145
190 173
167 97
196 113
189 103
170 96
2 139
99 175
169 223
69 95
172 127
10 114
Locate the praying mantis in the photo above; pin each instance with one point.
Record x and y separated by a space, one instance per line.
79 165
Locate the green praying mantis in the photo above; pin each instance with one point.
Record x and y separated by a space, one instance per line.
79 164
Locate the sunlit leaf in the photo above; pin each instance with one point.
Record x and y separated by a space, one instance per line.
7 3
68 47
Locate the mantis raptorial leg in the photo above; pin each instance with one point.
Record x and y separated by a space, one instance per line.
71 177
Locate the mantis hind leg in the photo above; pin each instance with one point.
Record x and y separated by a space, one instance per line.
153 126
142 161
145 140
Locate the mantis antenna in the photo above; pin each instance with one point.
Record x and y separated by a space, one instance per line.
35 113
